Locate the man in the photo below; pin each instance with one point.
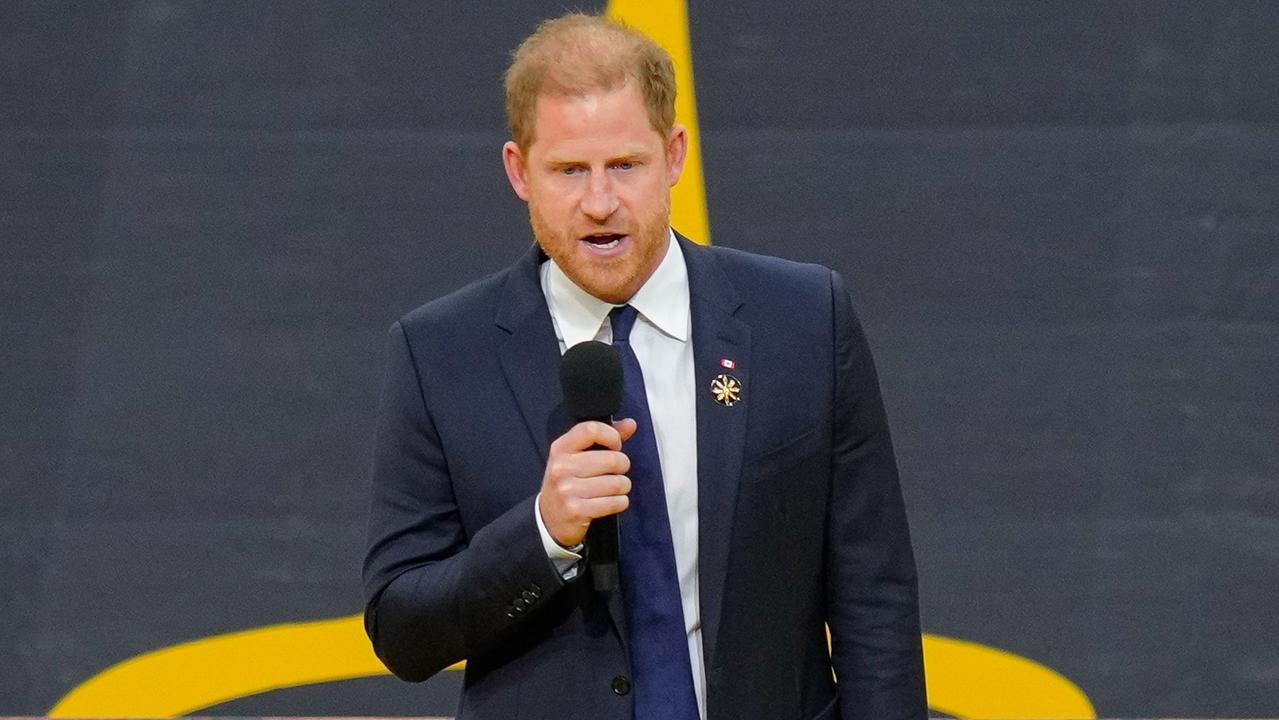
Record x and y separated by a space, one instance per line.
752 466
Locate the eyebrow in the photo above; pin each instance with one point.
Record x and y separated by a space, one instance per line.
637 155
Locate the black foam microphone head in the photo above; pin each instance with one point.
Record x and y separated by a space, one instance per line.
591 375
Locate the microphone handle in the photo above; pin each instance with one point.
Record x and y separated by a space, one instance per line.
603 544
602 551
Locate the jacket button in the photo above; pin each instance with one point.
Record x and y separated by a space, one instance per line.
529 597
519 604
621 685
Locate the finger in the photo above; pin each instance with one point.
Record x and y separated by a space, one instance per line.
625 427
601 506
602 486
585 435
591 463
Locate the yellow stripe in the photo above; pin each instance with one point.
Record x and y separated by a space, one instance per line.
666 21
964 679
968 680
185 678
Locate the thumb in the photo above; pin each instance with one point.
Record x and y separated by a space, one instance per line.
626 427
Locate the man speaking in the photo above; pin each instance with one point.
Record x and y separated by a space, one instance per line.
749 466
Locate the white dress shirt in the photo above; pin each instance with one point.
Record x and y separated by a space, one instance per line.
661 340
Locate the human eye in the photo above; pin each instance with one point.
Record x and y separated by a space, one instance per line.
624 164
566 168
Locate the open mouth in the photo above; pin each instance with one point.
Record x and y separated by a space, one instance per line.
604 241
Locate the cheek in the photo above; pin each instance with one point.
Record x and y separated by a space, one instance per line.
640 196
649 198
554 198
548 206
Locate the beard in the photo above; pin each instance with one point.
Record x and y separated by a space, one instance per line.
611 279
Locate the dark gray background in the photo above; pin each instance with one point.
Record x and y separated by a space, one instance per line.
1060 220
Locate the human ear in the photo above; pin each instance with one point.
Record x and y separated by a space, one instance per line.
513 161
676 153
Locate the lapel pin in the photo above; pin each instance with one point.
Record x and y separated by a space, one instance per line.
726 389
725 362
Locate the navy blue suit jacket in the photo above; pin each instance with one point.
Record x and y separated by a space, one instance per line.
801 522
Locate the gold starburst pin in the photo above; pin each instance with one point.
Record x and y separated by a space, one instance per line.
726 389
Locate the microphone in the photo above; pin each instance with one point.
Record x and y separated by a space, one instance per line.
591 377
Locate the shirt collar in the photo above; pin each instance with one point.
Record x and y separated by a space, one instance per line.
663 300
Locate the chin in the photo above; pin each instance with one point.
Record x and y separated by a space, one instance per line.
609 293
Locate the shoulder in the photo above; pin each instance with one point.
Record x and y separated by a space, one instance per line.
748 267
768 284
465 322
505 294
454 335
473 303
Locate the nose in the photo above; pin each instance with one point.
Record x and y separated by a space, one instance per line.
600 200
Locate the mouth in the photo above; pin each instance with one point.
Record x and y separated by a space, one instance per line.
603 241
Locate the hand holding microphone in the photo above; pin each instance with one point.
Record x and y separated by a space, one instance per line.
585 478
585 483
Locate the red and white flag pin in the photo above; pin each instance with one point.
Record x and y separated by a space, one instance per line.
728 364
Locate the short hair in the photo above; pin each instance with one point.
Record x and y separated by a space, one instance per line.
576 54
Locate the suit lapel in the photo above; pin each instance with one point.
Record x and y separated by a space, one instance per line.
721 430
530 359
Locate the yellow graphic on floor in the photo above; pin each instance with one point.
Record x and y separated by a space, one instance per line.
965 679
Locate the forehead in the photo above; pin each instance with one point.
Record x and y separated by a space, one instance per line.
596 121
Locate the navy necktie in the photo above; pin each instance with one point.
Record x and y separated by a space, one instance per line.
662 674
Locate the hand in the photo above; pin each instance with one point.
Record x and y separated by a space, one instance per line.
582 483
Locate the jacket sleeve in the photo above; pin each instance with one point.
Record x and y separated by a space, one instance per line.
872 596
434 595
